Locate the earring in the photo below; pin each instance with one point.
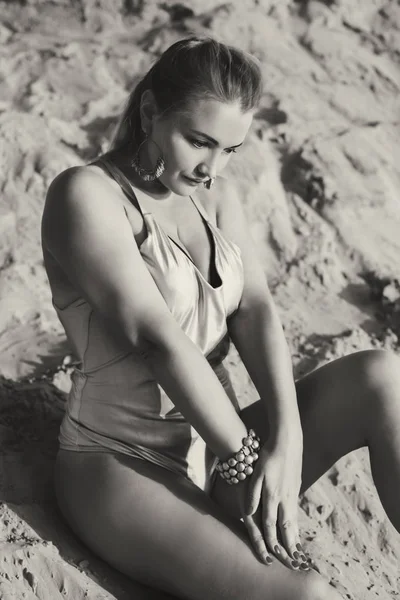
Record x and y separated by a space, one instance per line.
148 174
209 182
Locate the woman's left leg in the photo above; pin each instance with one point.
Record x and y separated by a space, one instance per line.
347 404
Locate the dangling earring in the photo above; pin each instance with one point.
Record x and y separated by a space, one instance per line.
148 174
209 182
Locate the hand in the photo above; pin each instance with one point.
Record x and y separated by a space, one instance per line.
272 493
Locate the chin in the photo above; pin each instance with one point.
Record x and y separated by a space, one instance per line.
178 187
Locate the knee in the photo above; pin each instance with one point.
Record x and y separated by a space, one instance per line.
317 588
381 370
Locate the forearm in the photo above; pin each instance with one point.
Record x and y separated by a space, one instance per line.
188 379
259 338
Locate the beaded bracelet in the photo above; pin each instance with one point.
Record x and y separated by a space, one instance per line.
238 467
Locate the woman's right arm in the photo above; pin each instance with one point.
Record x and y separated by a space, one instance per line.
87 231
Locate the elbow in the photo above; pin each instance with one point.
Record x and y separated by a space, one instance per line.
255 308
253 317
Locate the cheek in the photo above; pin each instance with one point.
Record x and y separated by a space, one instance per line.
223 161
179 154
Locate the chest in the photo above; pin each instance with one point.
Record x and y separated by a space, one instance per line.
193 236
187 229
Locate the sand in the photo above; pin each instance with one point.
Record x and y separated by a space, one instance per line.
319 177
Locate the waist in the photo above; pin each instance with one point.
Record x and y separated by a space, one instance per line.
134 363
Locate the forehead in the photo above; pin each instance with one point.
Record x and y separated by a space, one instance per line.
225 122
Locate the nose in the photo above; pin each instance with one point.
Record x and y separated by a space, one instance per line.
209 168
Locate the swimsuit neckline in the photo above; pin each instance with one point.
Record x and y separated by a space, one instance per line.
126 186
191 261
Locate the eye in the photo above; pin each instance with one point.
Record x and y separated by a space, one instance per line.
198 144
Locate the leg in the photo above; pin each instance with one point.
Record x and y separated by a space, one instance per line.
347 404
160 529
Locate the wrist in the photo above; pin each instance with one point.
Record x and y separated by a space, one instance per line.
285 435
240 466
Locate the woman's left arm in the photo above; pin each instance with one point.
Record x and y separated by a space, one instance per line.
257 333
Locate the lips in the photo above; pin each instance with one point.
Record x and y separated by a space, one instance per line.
194 180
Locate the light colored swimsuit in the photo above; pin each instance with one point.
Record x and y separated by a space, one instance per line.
114 402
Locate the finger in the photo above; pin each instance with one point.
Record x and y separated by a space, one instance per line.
300 556
269 523
304 556
288 529
289 534
253 526
254 494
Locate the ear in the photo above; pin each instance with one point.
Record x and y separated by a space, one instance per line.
148 111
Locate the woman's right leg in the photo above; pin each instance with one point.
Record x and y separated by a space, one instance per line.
160 529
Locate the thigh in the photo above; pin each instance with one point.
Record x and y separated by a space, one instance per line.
332 402
160 529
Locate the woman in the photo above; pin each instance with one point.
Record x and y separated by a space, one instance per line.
151 275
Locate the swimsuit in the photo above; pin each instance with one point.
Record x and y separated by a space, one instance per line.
114 402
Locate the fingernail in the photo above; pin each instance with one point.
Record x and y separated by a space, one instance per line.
269 560
296 555
303 558
295 564
309 560
304 566
277 550
299 548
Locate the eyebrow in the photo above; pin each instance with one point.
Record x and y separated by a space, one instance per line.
212 139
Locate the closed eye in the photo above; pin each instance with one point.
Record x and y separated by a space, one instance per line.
199 144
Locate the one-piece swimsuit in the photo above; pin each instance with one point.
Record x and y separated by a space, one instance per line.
115 403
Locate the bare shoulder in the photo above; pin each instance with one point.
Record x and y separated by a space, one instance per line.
69 184
232 221
74 193
226 199
230 214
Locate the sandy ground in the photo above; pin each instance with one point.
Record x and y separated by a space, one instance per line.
320 181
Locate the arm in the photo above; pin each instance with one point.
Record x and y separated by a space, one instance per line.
256 329
258 336
271 498
85 225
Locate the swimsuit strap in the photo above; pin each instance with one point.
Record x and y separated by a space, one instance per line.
122 180
126 186
200 209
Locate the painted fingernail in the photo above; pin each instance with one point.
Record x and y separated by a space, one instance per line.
299 548
303 558
269 560
304 566
295 564
296 555
277 550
